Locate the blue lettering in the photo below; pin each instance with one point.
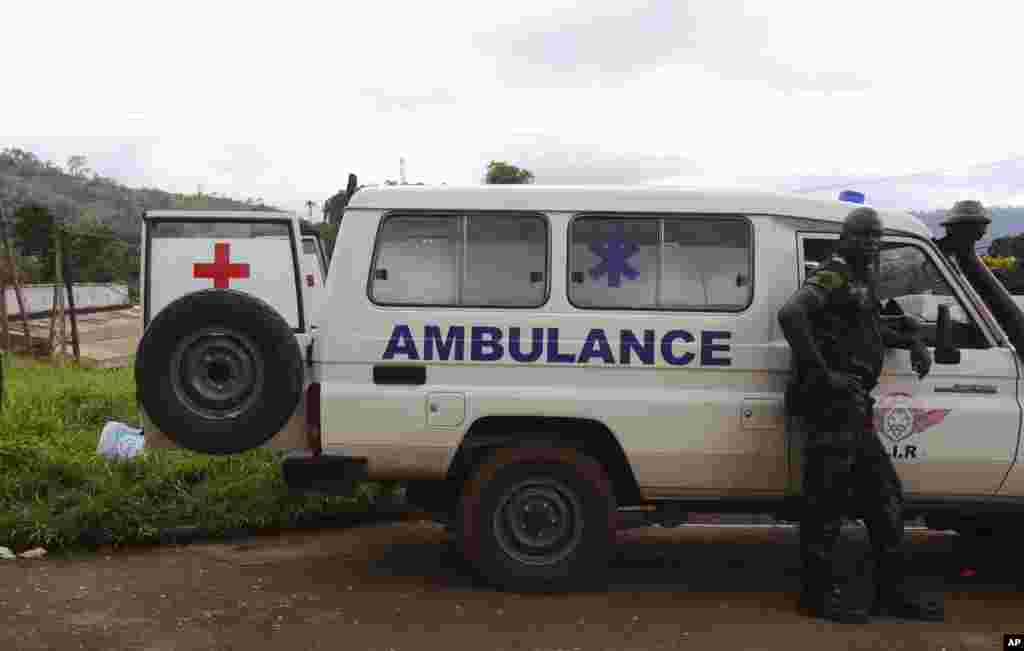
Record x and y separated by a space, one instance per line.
596 338
553 355
515 350
478 343
432 339
629 343
708 348
666 347
401 343
486 346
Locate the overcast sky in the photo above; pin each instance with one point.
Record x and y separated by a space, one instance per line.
915 103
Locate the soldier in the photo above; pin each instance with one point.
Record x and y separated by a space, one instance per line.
838 340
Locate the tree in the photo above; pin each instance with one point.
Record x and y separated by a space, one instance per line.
1004 249
334 207
33 229
500 172
77 165
95 254
328 234
20 158
93 250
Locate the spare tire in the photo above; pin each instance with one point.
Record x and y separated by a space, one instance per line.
219 371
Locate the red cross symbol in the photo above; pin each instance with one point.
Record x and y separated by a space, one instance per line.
221 270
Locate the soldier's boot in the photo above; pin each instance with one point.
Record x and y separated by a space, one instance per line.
830 601
892 596
822 595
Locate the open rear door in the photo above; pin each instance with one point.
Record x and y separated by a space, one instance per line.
314 274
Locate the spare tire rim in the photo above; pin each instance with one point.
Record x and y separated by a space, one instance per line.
217 373
538 522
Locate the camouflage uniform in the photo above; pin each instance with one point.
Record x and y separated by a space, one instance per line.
834 328
847 471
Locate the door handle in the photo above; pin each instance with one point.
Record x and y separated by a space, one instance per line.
400 374
968 388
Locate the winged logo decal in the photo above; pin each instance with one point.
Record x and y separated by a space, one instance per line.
897 418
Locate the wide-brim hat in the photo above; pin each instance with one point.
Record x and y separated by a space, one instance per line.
968 211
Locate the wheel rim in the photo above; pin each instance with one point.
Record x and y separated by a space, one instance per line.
538 522
217 374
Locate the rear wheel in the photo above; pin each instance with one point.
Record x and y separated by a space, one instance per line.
537 519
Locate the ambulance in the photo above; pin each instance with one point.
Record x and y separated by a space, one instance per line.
535 362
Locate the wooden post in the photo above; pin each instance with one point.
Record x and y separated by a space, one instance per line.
59 289
21 306
3 301
69 285
51 337
14 279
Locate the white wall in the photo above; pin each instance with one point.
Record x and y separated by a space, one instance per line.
39 298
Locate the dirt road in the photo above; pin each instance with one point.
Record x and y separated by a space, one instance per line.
398 586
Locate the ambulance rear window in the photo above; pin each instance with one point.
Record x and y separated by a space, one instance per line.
213 228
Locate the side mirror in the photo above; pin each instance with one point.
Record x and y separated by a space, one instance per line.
945 353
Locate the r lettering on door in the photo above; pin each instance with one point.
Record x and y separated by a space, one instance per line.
903 451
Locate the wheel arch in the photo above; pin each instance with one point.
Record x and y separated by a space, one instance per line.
590 437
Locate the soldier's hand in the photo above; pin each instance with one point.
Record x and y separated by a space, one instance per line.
920 360
843 382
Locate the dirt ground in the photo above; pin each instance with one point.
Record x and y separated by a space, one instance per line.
399 586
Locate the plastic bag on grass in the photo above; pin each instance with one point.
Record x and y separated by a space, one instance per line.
120 441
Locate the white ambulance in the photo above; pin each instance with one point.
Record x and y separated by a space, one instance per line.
535 360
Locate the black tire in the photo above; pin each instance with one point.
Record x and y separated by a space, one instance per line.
573 495
219 371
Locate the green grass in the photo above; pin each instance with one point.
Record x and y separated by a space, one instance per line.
56 492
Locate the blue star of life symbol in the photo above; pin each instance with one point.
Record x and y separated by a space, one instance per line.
614 254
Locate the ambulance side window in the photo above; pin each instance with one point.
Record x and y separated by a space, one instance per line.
505 261
908 276
672 263
711 253
816 253
417 261
476 260
614 263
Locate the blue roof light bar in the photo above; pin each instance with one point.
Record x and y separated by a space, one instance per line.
851 196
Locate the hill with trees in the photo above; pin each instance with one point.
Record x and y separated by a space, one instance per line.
74 192
100 218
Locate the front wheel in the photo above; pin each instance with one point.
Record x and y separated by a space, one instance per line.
537 519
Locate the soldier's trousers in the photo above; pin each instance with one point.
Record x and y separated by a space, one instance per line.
846 472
